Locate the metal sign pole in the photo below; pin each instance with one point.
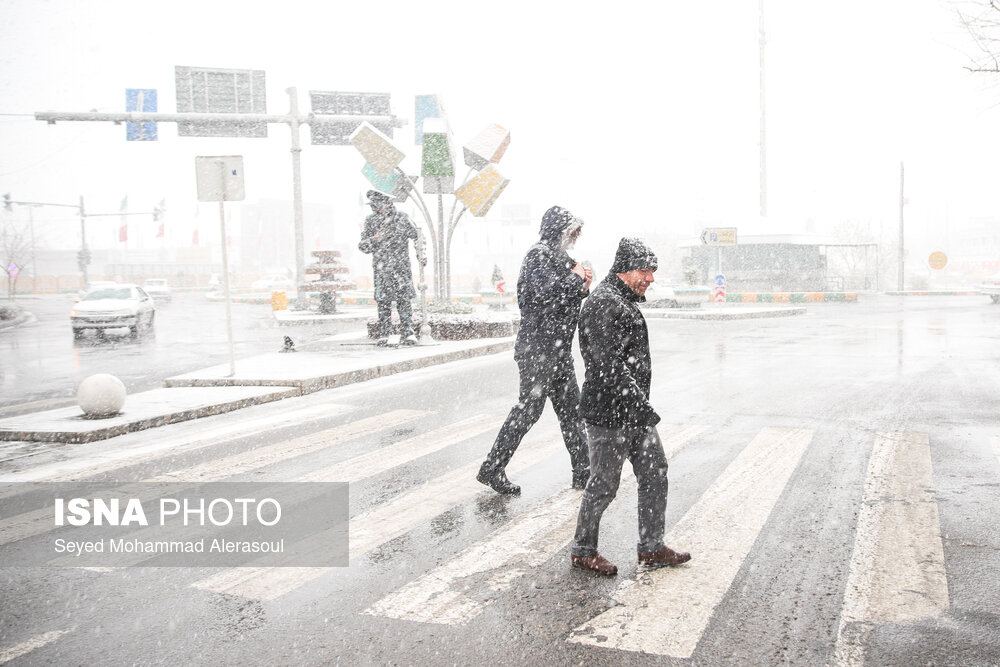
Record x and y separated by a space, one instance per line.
225 271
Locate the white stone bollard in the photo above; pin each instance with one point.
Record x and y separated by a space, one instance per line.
101 395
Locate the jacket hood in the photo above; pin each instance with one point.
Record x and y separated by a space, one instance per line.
554 222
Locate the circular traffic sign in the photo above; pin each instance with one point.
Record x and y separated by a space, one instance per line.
938 260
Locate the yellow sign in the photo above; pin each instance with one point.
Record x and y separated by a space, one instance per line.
938 260
479 193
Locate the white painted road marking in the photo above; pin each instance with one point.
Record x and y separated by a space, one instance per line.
351 470
95 464
528 541
719 531
8 654
37 522
402 452
897 570
383 523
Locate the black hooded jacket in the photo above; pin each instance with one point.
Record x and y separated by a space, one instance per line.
549 294
614 342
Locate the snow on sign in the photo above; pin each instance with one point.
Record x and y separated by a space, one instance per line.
719 236
220 178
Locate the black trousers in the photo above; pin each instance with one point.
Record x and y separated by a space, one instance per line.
405 309
540 378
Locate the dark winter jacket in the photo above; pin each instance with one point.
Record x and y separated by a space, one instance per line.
387 239
549 295
614 342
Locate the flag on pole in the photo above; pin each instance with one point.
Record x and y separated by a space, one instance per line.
123 221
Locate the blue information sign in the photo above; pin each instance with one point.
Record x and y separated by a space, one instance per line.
720 280
140 99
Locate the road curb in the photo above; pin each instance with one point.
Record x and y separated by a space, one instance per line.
710 313
319 382
792 297
141 411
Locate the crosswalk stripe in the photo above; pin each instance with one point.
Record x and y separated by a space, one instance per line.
404 451
529 541
8 654
282 451
39 521
384 522
351 470
719 530
897 570
86 466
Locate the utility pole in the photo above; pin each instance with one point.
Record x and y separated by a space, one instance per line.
762 39
902 260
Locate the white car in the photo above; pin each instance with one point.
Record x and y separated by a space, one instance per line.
158 288
113 307
94 285
991 287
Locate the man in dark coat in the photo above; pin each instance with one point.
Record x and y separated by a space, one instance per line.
550 289
615 405
386 237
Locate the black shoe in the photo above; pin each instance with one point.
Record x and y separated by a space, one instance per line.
580 478
497 481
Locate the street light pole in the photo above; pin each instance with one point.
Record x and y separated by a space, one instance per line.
300 271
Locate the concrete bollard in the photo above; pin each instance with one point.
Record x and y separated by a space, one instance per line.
101 395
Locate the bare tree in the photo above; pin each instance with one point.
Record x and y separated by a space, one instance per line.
981 19
15 246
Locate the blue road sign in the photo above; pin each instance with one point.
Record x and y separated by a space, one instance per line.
720 280
140 99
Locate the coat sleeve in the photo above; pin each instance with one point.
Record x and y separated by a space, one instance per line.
367 245
551 281
607 368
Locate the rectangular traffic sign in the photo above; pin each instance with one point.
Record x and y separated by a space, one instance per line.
144 100
719 236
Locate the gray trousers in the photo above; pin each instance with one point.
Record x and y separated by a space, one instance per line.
608 449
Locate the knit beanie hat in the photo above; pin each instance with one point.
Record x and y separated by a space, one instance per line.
633 254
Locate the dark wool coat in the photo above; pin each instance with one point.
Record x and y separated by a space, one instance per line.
614 342
549 295
386 238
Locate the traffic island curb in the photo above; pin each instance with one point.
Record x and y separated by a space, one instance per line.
314 371
723 313
141 411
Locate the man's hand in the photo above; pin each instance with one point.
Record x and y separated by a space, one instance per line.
586 274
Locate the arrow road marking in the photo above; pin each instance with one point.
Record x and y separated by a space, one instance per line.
897 570
719 530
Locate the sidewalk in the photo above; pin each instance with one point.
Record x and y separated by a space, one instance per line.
329 362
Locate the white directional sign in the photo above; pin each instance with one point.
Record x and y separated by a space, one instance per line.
719 236
220 178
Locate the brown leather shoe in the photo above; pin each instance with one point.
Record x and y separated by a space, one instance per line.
596 563
664 556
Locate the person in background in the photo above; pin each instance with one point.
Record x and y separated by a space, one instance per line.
386 236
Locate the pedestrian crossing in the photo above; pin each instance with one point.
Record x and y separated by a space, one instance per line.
896 574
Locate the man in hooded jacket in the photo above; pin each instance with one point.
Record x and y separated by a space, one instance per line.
621 423
550 288
386 237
